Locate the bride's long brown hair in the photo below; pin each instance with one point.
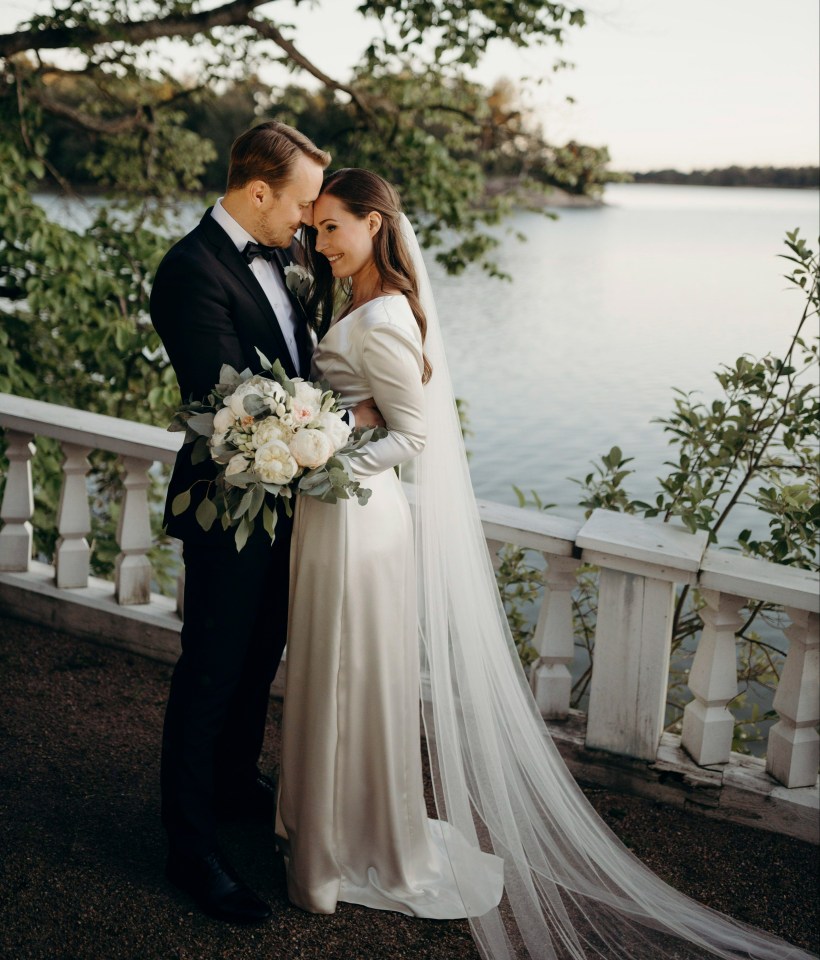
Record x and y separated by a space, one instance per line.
362 192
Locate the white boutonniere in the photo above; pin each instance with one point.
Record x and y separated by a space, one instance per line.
298 280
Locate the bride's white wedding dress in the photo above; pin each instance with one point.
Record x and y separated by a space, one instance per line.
351 815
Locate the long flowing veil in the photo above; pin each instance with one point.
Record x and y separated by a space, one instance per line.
572 890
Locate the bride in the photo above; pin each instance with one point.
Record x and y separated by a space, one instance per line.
384 594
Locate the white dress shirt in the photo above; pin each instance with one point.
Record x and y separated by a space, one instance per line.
269 277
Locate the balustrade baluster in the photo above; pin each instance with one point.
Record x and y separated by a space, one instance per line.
794 746
133 568
550 678
708 725
71 559
18 504
630 669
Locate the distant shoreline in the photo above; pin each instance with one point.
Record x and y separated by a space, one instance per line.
782 178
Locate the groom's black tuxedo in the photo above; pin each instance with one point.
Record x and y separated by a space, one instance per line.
209 309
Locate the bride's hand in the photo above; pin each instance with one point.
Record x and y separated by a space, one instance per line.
366 414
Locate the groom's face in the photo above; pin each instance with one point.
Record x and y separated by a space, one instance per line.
282 212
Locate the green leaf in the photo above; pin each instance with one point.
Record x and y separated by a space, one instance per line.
202 423
266 364
257 499
254 405
243 531
206 513
181 502
244 504
269 520
200 451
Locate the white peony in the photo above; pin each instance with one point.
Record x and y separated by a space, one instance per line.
311 448
335 428
224 419
306 403
268 390
271 429
235 400
274 464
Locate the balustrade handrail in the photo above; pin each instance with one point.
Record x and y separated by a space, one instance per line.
629 541
641 563
95 430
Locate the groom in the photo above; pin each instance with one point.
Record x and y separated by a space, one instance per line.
219 294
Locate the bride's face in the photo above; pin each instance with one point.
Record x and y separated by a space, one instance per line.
345 239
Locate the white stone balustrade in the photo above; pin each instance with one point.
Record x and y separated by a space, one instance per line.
554 639
641 563
133 568
79 432
792 754
73 554
18 503
794 745
553 537
708 725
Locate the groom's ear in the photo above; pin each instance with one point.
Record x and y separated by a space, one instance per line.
374 222
258 192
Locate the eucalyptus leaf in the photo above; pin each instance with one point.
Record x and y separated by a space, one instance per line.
242 533
257 499
269 520
181 502
200 452
266 364
206 513
202 424
255 405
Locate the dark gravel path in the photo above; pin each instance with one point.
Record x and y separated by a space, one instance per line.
81 850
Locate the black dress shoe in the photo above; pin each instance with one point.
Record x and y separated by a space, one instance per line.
256 801
216 888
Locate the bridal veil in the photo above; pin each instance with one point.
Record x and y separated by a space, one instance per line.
572 890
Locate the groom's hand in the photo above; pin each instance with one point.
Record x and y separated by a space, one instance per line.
366 414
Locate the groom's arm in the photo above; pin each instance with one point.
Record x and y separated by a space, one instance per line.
365 414
191 314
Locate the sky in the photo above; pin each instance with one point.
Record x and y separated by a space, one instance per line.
689 84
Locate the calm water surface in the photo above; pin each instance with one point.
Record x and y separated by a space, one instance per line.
610 308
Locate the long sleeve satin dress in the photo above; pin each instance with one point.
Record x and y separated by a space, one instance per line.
351 818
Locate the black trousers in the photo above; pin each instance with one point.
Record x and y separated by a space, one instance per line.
233 635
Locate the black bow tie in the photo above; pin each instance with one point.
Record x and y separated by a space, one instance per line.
258 250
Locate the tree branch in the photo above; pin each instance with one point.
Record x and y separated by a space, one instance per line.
271 32
87 121
136 32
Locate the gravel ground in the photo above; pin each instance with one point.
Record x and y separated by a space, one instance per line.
82 852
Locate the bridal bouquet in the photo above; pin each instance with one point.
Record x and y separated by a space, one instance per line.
270 437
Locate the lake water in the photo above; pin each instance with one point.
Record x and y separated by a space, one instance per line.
608 309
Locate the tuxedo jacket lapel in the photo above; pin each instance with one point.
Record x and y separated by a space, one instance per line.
266 319
284 258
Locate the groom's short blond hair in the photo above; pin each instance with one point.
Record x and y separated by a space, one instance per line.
268 152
